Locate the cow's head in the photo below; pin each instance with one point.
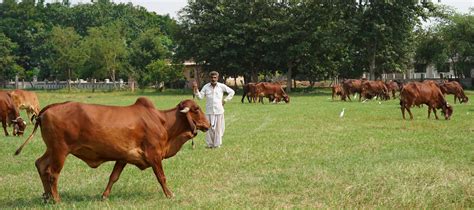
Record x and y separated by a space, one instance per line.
19 126
286 98
447 110
195 116
464 99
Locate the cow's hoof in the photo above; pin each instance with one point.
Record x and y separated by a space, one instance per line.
105 198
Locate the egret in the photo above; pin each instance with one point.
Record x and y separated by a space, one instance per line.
342 113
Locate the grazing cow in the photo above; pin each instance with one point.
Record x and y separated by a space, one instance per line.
26 100
392 87
456 89
371 89
417 93
10 115
137 134
273 91
250 91
337 90
351 86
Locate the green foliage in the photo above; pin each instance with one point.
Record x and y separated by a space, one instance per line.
106 52
67 56
311 39
30 25
450 40
8 66
148 54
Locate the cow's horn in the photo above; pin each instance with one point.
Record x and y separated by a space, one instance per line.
185 110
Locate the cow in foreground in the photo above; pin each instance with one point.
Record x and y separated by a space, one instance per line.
26 100
10 114
417 93
137 134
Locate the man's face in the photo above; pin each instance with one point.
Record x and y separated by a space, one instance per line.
213 79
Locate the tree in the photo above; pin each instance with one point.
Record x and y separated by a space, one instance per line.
148 54
106 52
68 55
386 34
8 66
451 40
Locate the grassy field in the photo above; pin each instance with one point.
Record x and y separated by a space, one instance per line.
297 155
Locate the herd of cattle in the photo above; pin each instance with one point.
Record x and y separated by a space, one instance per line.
145 139
428 92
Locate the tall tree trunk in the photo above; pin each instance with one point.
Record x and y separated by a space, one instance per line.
254 76
69 79
235 82
288 77
93 84
113 78
372 67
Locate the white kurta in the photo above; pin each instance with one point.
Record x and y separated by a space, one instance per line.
215 111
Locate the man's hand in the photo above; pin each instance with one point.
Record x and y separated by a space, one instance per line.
223 102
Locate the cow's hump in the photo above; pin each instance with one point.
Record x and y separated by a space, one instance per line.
142 101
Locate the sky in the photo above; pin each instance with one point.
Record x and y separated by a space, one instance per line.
171 7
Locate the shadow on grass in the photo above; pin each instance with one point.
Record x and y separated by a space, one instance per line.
68 198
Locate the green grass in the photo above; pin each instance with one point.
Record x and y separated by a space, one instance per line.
297 155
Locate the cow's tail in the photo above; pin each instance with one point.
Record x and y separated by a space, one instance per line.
37 123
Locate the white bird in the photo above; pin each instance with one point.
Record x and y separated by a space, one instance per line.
342 113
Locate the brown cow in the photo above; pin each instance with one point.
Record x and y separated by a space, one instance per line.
273 91
10 115
392 87
249 91
337 90
351 86
26 100
417 93
137 134
372 89
456 89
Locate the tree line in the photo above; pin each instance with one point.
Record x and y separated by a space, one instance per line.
305 40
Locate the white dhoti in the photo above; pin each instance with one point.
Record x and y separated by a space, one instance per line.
216 131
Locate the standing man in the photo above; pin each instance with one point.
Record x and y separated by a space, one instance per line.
214 93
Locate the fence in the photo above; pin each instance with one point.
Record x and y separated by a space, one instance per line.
55 85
